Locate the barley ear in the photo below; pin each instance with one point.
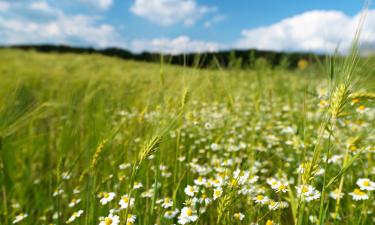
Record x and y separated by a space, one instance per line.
97 154
149 148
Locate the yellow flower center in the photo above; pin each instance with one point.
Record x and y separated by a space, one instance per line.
366 183
304 189
358 192
189 212
362 107
106 195
269 222
237 216
108 221
260 197
125 199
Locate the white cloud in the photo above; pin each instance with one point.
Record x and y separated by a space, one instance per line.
181 44
169 12
318 31
56 27
101 4
43 6
4 6
216 19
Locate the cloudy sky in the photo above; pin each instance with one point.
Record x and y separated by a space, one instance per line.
177 26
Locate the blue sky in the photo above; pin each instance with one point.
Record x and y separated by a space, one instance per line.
186 25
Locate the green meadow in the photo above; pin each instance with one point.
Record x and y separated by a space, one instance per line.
89 139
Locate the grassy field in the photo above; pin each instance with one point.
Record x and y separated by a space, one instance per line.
87 139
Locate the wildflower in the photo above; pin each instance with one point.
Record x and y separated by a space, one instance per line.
58 192
126 202
270 222
170 214
168 203
336 194
74 202
75 216
358 195
204 199
110 220
124 166
261 199
66 175
131 219
20 217
272 205
191 190
366 184
148 194
137 185
200 181
187 215
106 197
217 192
239 216
362 109
308 192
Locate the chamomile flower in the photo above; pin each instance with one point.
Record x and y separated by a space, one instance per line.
200 181
126 202
308 192
131 219
358 195
170 214
20 217
204 199
272 205
74 202
110 220
137 185
366 184
270 222
261 199
191 190
167 203
217 193
187 215
106 197
74 216
336 194
239 216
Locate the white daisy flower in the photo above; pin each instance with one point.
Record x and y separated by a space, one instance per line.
167 203
74 202
336 194
137 185
126 202
261 199
170 214
217 193
200 181
239 216
187 215
110 220
191 190
358 195
106 197
366 184
20 217
75 216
